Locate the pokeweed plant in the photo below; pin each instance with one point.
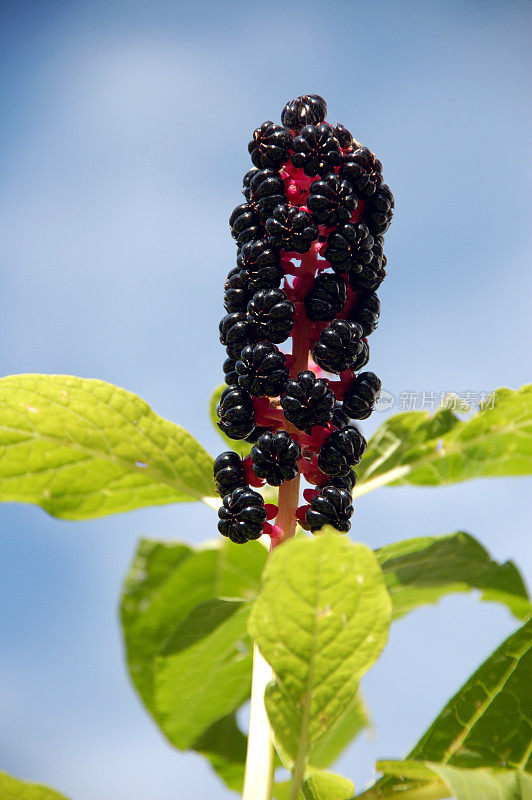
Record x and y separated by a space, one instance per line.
295 624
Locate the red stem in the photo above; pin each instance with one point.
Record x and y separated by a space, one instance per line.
288 501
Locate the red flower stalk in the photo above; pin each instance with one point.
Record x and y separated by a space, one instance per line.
309 261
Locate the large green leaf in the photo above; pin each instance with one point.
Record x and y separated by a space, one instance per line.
166 582
431 450
203 671
486 726
420 571
84 448
13 789
168 586
321 620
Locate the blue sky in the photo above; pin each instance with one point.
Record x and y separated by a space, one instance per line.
125 130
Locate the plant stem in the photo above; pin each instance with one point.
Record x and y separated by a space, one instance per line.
258 778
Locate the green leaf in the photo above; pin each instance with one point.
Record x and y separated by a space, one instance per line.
424 450
353 721
83 448
320 786
204 670
224 745
13 789
326 786
168 584
420 571
321 620
238 445
166 581
486 729
424 779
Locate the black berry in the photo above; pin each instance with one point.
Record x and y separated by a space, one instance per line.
308 109
266 190
228 472
344 136
349 247
241 285
341 450
379 212
339 418
366 312
363 357
291 229
316 150
269 146
347 482
271 314
235 412
245 224
370 277
237 329
332 506
262 369
331 200
255 256
230 375
242 515
339 345
275 457
361 395
326 298
307 401
363 170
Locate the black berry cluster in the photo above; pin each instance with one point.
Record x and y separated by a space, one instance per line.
309 261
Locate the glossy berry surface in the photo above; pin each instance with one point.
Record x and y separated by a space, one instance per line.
235 413
339 417
332 506
307 401
291 229
275 457
230 375
345 137
366 312
380 211
245 224
269 146
347 482
326 298
256 256
271 314
363 170
242 515
316 150
266 190
262 370
361 395
236 328
349 248
332 200
342 450
228 472
338 346
304 110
